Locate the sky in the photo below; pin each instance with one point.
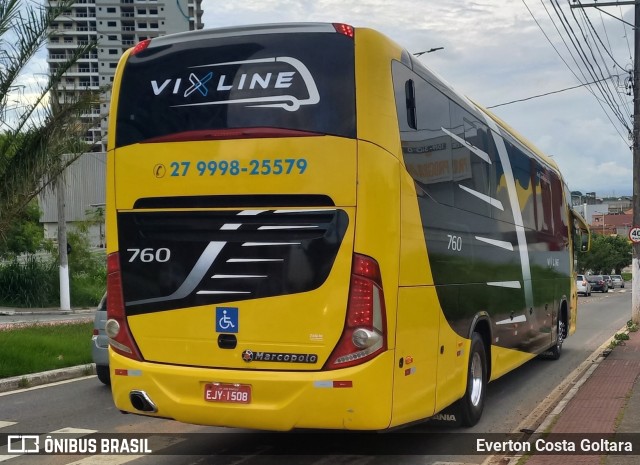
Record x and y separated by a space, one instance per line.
495 52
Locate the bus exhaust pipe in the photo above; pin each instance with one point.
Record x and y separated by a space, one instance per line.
142 402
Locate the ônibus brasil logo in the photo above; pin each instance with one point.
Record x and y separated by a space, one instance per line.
248 84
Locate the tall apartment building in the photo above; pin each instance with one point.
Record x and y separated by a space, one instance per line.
117 25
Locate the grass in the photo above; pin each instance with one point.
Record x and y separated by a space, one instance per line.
43 347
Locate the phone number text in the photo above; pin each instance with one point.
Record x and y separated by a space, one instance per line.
234 167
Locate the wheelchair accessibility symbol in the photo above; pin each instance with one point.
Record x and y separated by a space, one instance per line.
226 319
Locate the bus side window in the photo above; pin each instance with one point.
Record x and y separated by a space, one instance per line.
545 210
410 93
524 173
471 163
426 149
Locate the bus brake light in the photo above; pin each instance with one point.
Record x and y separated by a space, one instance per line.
140 46
120 338
364 335
345 29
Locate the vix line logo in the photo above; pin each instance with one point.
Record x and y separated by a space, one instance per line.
255 88
197 84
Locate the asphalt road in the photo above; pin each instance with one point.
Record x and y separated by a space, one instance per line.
84 407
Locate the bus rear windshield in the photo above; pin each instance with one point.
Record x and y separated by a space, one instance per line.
300 82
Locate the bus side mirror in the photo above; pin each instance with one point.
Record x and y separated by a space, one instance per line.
585 241
581 233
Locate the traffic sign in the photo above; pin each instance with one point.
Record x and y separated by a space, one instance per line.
634 234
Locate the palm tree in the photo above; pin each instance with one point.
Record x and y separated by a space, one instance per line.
39 137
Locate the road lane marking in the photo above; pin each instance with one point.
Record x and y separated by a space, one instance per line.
43 386
81 431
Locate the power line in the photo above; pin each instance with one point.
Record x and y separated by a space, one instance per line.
624 27
582 54
572 57
587 66
548 93
565 44
625 103
593 32
604 89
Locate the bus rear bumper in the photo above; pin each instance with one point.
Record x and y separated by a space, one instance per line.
355 398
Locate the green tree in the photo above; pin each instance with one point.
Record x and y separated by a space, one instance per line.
621 248
38 136
95 216
25 235
607 253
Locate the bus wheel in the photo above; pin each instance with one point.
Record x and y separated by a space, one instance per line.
556 350
473 401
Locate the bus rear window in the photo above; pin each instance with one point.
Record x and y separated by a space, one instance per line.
300 82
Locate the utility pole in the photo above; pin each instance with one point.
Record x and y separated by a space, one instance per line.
65 295
635 277
635 261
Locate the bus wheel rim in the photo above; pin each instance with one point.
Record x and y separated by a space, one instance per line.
476 379
560 333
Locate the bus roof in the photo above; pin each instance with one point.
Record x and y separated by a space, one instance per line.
272 28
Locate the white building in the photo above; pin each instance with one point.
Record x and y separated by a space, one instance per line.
590 212
116 25
84 194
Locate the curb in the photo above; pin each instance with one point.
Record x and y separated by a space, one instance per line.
53 311
20 383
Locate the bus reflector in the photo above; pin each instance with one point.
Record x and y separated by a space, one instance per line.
120 338
345 29
364 335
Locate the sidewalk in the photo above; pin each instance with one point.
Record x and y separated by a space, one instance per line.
607 401
10 316
11 311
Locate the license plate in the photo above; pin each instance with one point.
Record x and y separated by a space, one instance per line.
228 393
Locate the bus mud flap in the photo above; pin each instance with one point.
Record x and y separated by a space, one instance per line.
447 417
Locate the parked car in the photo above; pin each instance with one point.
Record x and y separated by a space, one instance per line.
598 283
100 343
584 286
607 278
617 280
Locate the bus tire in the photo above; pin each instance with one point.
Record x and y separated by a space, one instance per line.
556 350
472 404
103 374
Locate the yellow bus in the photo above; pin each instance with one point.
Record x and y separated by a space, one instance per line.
309 229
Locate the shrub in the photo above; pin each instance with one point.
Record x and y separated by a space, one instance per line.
32 283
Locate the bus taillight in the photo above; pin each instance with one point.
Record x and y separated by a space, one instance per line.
365 334
117 329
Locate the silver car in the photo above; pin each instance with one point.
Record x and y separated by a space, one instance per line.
584 286
617 281
100 343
